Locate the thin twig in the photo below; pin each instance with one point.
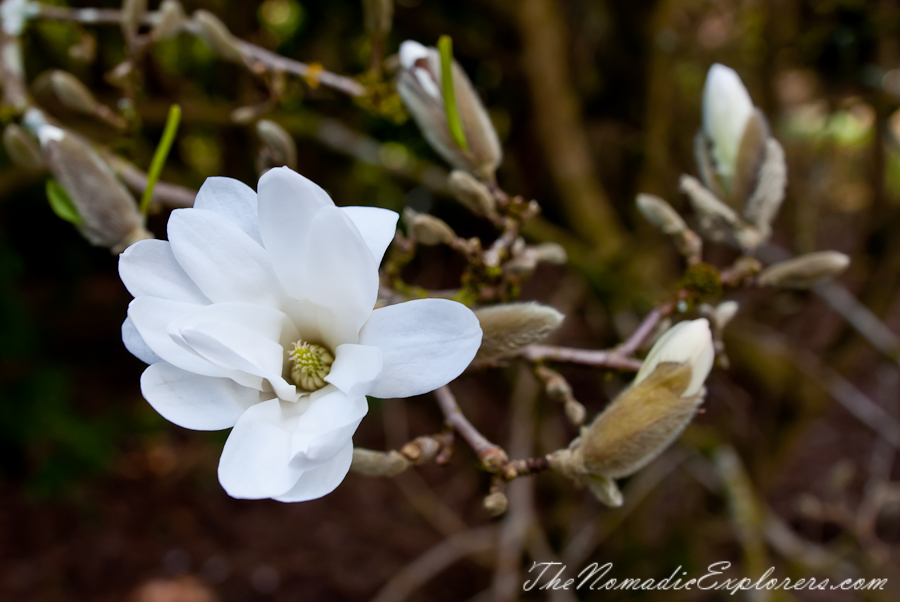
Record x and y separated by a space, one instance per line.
491 455
637 338
587 357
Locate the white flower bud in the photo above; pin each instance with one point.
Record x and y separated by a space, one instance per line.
280 148
378 464
171 20
726 109
216 34
420 88
511 327
660 214
72 93
724 313
471 193
804 271
109 214
22 149
427 229
688 342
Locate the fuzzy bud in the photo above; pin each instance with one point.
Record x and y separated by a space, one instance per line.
660 214
216 34
280 148
510 327
427 229
22 149
420 88
171 20
109 214
132 12
471 193
72 93
647 417
804 271
378 464
495 504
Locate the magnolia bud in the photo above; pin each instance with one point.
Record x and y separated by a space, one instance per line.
22 149
495 503
763 204
132 12
661 214
648 416
726 109
427 229
171 19
510 327
474 195
214 33
72 93
109 214
724 313
280 148
420 88
378 464
805 271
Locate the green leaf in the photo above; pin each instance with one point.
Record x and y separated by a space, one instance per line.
61 203
159 157
454 124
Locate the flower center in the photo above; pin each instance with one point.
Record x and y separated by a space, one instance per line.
310 364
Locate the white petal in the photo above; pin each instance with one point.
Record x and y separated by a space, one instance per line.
224 262
240 349
232 199
726 109
410 52
342 275
255 461
136 345
201 403
376 226
425 344
327 424
151 316
287 203
322 480
149 268
356 369
689 342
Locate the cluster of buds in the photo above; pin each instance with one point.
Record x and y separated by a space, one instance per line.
645 418
461 132
742 166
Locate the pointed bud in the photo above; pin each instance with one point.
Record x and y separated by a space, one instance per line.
420 88
171 20
510 327
724 313
427 229
647 417
471 193
72 93
495 504
378 464
216 34
22 149
280 148
109 214
132 12
726 109
765 201
660 214
750 156
804 271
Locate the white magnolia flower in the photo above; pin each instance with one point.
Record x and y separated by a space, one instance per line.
727 108
688 342
258 314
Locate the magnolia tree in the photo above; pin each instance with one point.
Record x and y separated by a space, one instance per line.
276 313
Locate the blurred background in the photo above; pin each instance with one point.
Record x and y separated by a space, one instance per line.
595 101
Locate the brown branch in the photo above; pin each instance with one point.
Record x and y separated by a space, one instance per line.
491 455
637 338
587 357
